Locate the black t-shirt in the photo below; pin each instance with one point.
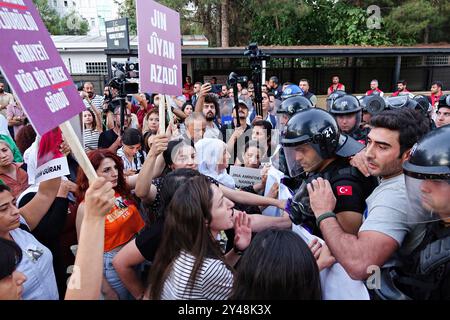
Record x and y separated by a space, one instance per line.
107 138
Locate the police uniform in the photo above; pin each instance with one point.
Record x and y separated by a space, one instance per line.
319 129
349 186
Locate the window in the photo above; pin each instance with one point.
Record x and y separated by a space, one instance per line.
437 60
66 4
55 3
96 68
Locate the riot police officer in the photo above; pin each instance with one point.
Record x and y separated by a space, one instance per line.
347 111
313 145
426 273
291 105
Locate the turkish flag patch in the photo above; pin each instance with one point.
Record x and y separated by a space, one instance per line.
344 190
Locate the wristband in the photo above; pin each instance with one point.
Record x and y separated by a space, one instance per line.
323 216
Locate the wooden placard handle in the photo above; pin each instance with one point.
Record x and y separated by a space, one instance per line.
77 150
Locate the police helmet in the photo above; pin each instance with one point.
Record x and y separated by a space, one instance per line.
430 157
424 106
345 105
373 104
294 104
333 96
429 160
314 126
291 90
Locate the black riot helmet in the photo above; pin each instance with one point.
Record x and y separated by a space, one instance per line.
373 104
311 126
429 160
345 105
424 106
333 96
319 129
294 104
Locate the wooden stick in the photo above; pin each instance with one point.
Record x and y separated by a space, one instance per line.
77 150
169 109
162 114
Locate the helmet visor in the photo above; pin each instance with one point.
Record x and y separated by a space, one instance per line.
282 120
301 158
428 200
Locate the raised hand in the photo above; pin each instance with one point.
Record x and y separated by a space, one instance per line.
242 230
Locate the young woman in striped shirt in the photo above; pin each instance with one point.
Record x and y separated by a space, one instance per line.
190 263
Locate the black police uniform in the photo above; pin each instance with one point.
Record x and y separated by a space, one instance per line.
318 128
349 186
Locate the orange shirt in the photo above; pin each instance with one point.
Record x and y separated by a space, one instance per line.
121 223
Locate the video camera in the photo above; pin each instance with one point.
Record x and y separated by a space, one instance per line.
233 79
125 87
256 57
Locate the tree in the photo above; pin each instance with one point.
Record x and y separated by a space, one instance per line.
225 30
413 21
70 24
127 9
50 17
74 24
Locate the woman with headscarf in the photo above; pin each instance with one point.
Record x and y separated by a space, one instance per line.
212 159
6 136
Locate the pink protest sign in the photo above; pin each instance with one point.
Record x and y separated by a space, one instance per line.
159 48
34 68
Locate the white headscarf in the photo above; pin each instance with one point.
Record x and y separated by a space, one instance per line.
4 126
209 153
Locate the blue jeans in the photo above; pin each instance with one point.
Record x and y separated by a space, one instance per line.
112 277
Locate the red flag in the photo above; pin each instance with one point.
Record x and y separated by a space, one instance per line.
344 190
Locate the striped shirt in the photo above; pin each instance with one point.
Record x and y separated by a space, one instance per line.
214 281
136 164
97 102
90 137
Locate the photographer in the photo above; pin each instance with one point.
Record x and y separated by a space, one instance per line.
108 109
110 139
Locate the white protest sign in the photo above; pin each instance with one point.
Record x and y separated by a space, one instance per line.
244 177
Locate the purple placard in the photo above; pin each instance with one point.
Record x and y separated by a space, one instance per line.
159 48
34 68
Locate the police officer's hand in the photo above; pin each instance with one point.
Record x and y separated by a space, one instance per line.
359 161
321 196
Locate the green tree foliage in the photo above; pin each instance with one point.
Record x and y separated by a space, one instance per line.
127 9
74 24
413 21
70 24
312 22
49 16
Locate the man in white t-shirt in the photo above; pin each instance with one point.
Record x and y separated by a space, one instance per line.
385 231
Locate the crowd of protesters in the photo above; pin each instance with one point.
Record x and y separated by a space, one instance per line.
165 219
